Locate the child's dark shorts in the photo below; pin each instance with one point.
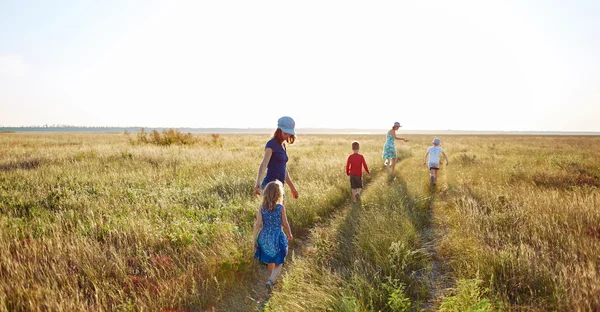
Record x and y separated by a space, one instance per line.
355 181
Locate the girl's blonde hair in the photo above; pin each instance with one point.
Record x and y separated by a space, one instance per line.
272 195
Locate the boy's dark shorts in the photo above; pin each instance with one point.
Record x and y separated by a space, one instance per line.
355 181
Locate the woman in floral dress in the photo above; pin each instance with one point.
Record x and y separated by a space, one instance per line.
389 149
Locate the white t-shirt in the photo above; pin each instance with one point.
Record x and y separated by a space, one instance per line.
434 154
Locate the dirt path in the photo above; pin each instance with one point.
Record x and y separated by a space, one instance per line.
251 295
438 278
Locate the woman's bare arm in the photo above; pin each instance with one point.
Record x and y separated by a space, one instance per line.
397 137
289 182
262 168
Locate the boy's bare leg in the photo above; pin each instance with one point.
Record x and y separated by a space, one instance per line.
432 176
354 191
435 175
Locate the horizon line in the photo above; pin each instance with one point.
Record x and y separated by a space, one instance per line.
312 130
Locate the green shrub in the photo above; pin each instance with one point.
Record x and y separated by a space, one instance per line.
397 299
168 137
465 159
469 296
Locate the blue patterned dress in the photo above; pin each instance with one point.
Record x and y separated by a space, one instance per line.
389 149
272 242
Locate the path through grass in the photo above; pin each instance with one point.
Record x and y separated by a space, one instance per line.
370 257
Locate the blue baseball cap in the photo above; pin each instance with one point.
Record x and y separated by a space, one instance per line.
287 125
436 141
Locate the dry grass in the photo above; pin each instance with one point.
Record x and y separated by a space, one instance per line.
517 226
523 214
92 222
368 259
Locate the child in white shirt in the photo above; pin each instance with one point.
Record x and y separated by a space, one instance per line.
434 160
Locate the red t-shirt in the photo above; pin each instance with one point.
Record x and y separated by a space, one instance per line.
354 165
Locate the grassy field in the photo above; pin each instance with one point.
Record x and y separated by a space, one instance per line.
103 222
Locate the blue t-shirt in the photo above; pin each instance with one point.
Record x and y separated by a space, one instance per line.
434 154
277 164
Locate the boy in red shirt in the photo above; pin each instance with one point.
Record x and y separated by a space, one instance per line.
354 169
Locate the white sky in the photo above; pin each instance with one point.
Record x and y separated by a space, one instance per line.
461 65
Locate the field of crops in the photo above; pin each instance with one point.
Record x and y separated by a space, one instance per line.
108 222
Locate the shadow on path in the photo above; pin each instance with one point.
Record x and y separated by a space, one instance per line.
251 295
418 266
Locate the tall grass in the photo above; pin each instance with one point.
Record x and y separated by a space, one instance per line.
521 214
369 259
515 222
93 222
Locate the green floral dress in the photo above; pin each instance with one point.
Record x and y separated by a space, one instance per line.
389 149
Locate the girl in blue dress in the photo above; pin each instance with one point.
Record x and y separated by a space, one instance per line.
389 148
270 241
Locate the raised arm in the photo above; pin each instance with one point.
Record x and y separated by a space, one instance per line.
262 168
397 137
286 224
289 182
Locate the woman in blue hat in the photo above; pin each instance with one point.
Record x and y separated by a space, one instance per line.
389 149
275 158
